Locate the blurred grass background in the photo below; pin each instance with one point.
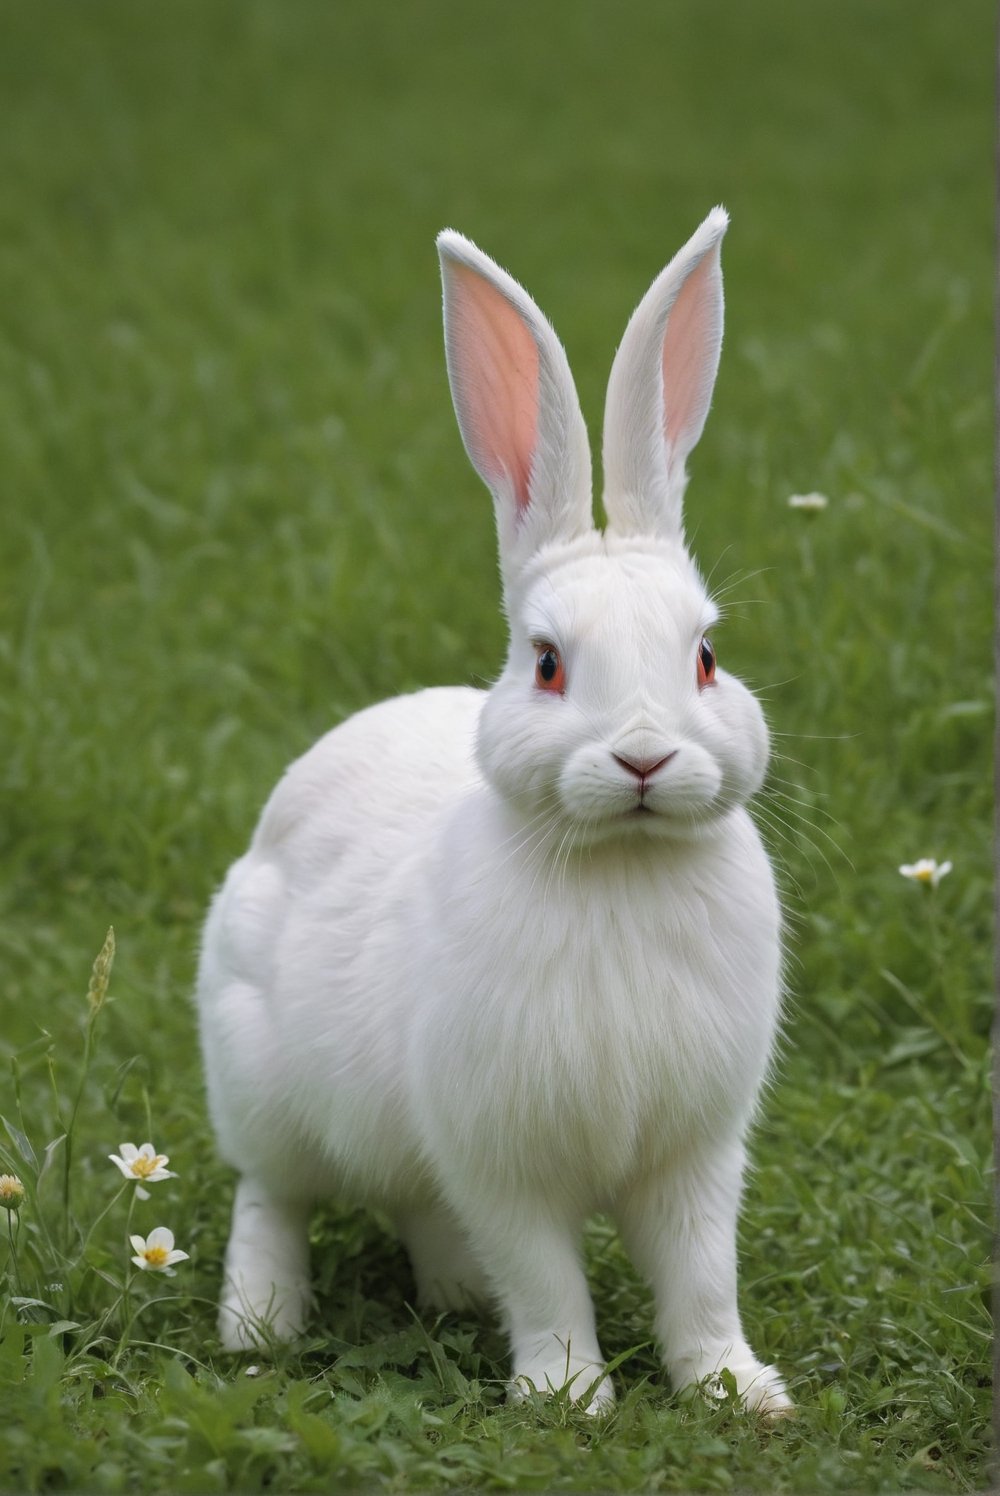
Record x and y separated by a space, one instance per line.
236 508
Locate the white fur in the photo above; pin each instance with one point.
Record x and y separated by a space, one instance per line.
474 970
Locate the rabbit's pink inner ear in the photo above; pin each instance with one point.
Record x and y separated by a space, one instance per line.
691 348
495 360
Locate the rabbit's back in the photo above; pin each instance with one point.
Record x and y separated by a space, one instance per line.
368 787
301 1000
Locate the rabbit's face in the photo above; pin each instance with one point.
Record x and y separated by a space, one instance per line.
610 715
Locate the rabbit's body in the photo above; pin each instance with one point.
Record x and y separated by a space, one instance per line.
496 960
621 1042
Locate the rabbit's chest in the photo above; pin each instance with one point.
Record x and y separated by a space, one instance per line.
598 1043
612 1071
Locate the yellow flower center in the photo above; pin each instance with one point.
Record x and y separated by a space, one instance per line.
142 1166
156 1256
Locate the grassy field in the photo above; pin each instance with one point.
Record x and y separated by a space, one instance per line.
236 508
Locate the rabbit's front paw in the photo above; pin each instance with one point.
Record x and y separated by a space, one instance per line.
761 1389
583 1380
253 1321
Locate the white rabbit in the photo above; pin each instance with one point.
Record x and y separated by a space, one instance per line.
497 960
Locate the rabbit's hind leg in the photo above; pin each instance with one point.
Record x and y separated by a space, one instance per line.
447 1273
266 1295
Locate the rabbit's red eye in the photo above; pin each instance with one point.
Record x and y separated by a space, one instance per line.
706 663
549 672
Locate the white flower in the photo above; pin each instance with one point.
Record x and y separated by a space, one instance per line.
811 502
156 1253
142 1163
11 1192
926 871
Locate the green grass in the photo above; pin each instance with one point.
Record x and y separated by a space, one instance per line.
236 508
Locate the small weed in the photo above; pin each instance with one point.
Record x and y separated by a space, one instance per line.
70 1281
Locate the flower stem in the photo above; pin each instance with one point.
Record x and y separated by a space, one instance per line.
70 1125
12 1238
99 1218
128 1314
97 992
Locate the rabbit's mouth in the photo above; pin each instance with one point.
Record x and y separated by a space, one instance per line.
661 819
642 813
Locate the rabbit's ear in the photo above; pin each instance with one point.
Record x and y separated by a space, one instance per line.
516 403
661 387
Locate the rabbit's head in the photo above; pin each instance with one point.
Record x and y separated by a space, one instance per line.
610 717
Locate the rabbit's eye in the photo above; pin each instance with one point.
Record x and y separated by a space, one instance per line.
549 672
706 663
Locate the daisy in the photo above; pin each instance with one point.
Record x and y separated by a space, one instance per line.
142 1163
156 1252
812 503
927 871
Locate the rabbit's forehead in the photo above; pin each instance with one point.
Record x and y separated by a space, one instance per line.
604 596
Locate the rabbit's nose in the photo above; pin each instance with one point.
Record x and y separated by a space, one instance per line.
643 768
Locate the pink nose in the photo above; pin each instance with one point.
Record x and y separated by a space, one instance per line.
643 768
